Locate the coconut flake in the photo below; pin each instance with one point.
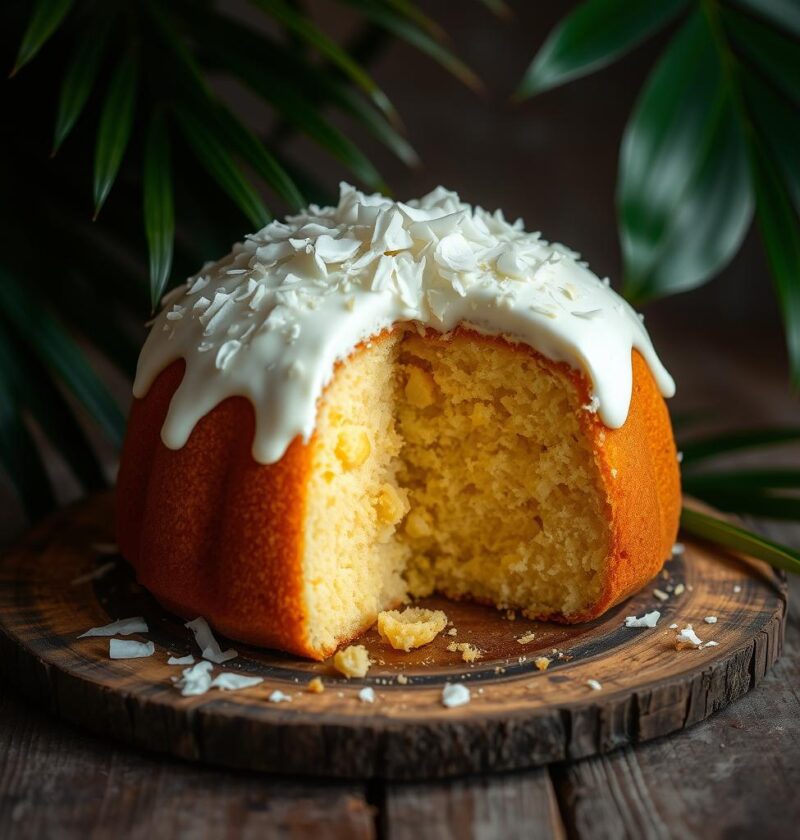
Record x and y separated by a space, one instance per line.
367 695
455 694
649 619
95 574
129 649
123 627
229 681
595 685
195 680
208 645
710 619
687 638
279 697
181 660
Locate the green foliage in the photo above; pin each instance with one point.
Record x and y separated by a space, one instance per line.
712 141
174 171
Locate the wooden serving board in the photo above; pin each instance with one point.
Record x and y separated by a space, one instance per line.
518 716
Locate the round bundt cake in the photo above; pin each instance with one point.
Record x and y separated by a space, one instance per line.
375 401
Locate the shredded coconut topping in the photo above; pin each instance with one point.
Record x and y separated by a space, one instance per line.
647 620
127 649
123 627
270 320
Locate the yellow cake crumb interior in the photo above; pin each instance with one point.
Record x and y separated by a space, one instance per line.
450 464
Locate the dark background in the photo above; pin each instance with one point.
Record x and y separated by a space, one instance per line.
551 160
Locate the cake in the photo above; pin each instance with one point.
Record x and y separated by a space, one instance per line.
365 404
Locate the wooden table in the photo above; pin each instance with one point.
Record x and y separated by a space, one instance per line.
736 774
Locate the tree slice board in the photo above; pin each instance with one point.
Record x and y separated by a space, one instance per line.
61 580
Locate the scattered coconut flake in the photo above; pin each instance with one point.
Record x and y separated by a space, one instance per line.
710 619
181 660
673 627
680 457
594 685
123 627
711 643
737 589
208 645
195 680
455 694
680 589
660 594
95 574
129 649
279 697
229 681
402 679
542 663
687 638
678 549
367 695
527 638
647 620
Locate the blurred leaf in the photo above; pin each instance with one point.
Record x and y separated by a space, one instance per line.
46 18
240 59
413 12
214 156
77 85
499 8
738 539
596 33
59 353
749 503
18 452
779 225
776 55
684 191
302 27
698 450
782 13
159 212
116 122
778 125
759 480
229 129
382 14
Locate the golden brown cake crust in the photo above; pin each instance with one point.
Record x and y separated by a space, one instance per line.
211 532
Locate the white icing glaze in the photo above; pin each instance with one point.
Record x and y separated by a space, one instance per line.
270 320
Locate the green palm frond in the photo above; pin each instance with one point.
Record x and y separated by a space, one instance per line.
711 144
137 131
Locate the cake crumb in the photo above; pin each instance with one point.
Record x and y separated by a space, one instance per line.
511 615
527 638
367 695
316 686
353 661
680 589
542 663
452 632
660 594
402 679
469 653
411 628
455 694
594 685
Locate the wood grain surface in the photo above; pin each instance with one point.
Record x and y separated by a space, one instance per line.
518 717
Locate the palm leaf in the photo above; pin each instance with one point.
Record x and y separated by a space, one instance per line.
59 353
684 193
216 159
116 122
77 85
700 450
591 37
783 13
159 212
382 14
738 539
46 18
304 29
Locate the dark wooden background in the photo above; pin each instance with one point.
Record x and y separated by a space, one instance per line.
553 161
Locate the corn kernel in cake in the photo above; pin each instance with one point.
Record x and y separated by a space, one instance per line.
390 504
353 661
420 388
352 448
411 628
